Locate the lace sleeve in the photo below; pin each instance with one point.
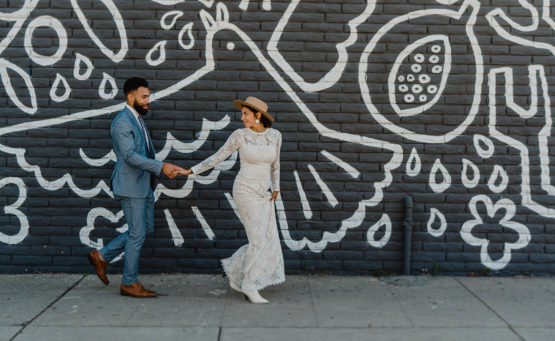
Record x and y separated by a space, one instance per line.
275 165
231 145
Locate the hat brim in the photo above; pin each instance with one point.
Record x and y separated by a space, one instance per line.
239 104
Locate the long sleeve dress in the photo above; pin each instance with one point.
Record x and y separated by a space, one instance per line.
260 262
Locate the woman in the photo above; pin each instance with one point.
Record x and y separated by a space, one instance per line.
260 262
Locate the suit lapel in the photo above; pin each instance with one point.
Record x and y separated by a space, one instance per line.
146 139
133 119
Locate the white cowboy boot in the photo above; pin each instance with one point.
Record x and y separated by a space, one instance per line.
254 297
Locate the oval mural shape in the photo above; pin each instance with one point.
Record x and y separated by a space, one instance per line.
419 74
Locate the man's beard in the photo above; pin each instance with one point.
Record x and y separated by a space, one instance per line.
142 111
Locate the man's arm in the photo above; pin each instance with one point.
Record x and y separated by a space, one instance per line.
124 141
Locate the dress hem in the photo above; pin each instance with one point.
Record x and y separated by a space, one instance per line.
258 287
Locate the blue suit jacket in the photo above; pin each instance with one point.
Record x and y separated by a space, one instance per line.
135 170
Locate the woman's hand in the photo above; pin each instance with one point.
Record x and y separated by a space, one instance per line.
274 195
186 172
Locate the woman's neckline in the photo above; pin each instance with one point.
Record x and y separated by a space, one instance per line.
259 133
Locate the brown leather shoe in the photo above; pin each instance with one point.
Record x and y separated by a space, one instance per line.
136 290
100 265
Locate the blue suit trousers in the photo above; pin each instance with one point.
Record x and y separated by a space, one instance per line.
139 214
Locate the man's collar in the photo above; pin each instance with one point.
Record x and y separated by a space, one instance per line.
132 110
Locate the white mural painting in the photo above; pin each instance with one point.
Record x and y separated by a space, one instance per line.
333 75
6 66
506 222
416 82
426 84
438 169
353 172
55 88
414 163
497 17
384 222
417 86
85 232
174 230
537 79
436 215
470 180
118 56
79 60
13 209
484 146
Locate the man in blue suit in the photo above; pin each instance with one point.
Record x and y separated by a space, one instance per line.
132 182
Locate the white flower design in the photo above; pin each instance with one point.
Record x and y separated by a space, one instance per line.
509 207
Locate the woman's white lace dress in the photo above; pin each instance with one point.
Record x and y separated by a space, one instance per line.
260 262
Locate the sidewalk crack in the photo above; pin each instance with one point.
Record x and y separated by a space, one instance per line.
47 307
491 309
312 301
400 304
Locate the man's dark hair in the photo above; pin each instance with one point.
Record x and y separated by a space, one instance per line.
134 83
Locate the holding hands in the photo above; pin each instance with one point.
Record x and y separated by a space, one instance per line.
171 170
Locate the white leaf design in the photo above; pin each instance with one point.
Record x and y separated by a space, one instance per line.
118 20
6 80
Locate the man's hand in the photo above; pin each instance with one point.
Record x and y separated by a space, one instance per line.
171 170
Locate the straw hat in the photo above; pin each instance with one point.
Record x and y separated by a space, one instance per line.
256 104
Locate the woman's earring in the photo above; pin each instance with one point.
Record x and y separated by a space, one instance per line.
257 121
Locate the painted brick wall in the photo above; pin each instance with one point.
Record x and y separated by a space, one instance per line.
446 101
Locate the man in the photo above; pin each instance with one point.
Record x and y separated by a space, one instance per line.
132 183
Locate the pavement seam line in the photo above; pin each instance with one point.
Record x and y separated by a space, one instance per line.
312 301
222 314
491 309
412 324
48 307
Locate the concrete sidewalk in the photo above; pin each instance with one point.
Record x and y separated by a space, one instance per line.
202 307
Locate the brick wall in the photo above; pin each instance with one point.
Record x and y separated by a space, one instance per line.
444 101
